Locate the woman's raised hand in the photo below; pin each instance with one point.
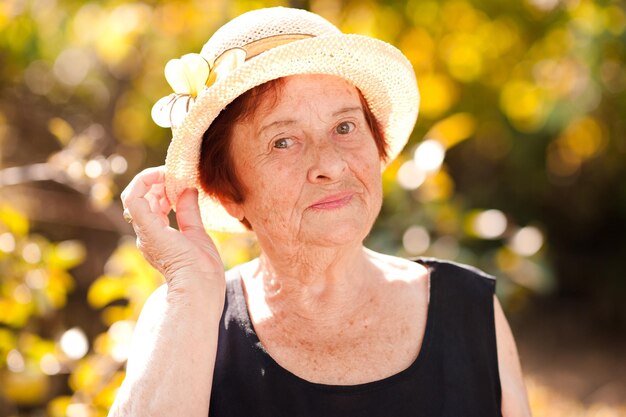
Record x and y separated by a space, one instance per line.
183 256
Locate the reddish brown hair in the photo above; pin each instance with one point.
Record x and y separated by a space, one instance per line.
217 174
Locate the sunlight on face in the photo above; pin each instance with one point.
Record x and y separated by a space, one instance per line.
310 165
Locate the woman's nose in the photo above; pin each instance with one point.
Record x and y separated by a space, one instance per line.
327 162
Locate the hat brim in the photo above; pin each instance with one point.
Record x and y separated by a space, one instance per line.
379 70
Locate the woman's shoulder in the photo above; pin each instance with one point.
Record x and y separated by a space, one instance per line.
395 268
447 279
410 268
453 267
460 282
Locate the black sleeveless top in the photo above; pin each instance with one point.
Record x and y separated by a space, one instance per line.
454 375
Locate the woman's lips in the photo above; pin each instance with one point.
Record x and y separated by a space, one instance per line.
334 201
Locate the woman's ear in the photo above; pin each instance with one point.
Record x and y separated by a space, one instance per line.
232 208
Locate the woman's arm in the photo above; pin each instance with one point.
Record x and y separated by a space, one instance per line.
514 396
170 367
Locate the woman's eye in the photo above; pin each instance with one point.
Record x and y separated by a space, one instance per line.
345 127
283 143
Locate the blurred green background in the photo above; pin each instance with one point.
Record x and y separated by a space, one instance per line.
517 165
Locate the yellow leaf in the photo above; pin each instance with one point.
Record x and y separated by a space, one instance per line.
106 289
87 375
35 347
524 104
106 397
453 129
59 284
103 344
14 221
61 129
24 388
57 407
113 314
439 93
437 187
7 342
13 313
66 255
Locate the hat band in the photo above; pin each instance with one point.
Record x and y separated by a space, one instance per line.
259 46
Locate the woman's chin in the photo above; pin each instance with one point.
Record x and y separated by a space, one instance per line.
336 233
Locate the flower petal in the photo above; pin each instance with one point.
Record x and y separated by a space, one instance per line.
176 76
161 110
196 71
180 108
226 63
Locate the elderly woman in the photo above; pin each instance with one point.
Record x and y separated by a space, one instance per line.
282 127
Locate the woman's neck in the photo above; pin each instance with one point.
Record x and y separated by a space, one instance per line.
332 281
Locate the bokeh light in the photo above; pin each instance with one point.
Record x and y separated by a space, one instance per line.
445 247
36 279
95 168
121 333
409 176
74 343
429 155
71 66
118 164
75 170
15 361
22 294
526 241
39 78
439 94
525 105
416 240
31 252
544 5
7 242
489 224
49 364
79 410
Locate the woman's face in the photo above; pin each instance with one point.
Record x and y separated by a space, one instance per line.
309 165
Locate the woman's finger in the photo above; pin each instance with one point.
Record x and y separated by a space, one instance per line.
190 222
144 207
141 184
165 204
188 212
152 202
160 202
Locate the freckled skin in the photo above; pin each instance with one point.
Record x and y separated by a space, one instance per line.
331 316
284 183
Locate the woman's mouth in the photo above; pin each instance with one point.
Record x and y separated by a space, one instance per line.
334 201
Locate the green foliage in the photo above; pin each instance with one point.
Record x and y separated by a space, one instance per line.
34 288
517 163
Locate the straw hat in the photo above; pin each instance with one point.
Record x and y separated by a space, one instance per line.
263 45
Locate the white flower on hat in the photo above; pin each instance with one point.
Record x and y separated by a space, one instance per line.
188 76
